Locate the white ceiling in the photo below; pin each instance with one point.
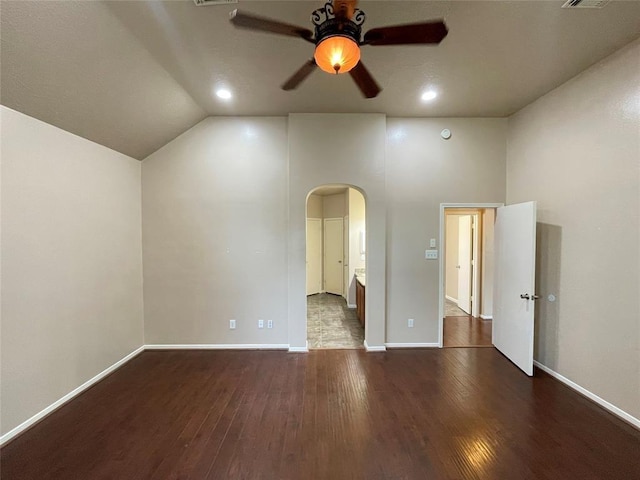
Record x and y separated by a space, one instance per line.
133 75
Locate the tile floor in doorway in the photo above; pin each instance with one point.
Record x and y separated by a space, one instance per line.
451 309
331 324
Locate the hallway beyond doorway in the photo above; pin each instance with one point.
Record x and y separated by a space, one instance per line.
463 330
331 324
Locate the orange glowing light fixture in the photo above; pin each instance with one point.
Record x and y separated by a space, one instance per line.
337 54
337 36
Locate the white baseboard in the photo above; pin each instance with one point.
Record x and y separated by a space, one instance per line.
454 300
349 305
69 396
618 412
221 346
374 348
412 345
486 317
304 349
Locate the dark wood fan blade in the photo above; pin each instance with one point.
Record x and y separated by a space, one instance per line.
366 83
298 77
415 33
262 24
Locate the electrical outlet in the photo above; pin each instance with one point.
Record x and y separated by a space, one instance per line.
232 324
269 323
410 323
431 254
260 323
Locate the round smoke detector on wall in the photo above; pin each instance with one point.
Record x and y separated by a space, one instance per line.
446 134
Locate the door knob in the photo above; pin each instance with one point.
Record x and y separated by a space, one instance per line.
526 296
339 261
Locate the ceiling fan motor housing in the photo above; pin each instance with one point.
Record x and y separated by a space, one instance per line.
328 24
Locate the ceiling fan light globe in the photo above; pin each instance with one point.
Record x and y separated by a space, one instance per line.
337 51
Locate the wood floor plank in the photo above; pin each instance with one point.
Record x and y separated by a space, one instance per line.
458 413
466 331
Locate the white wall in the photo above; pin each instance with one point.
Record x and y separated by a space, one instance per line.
314 206
334 206
488 258
357 224
71 263
422 171
214 205
576 151
215 231
358 159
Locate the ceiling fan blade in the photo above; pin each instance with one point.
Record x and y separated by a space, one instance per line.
366 83
415 33
262 24
298 77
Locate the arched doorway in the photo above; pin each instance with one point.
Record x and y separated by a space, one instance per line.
335 267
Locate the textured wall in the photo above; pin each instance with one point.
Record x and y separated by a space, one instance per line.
577 152
357 159
423 170
71 263
215 234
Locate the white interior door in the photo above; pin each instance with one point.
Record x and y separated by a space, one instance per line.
333 255
514 283
314 256
464 262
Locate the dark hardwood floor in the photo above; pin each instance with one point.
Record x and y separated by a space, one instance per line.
466 331
330 414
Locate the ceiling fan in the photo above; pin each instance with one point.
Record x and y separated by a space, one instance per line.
338 38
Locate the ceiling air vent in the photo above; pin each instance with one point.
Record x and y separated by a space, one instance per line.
202 3
584 3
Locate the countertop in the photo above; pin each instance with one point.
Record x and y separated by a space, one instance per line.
361 279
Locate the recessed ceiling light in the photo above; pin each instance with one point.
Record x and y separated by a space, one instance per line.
429 95
224 94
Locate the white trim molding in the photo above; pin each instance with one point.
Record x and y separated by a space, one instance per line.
618 412
69 396
304 349
451 299
486 317
221 346
351 306
412 345
374 348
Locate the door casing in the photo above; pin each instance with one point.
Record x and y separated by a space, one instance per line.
444 206
314 257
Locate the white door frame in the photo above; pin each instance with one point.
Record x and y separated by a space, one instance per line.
320 253
441 287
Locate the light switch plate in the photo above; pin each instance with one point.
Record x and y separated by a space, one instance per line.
432 243
431 254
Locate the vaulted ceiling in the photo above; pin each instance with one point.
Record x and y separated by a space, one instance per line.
132 75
